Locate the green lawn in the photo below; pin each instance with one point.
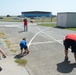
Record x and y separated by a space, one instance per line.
54 25
71 29
49 25
10 19
20 19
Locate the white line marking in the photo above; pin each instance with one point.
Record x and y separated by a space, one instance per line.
45 34
35 36
11 25
35 43
54 39
51 37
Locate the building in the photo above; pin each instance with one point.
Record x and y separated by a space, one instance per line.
66 19
36 14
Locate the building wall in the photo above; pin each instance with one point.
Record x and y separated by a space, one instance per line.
36 14
61 20
67 19
71 20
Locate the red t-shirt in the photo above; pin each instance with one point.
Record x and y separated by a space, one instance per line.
71 36
25 21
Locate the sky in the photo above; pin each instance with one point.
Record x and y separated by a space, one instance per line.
15 7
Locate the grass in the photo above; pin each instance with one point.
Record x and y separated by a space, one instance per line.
49 25
10 19
8 43
17 19
71 29
13 50
21 62
2 35
54 25
14 19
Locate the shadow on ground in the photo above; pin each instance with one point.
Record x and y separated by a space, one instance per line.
21 31
65 67
18 56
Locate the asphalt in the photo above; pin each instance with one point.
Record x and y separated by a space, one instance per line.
9 67
46 55
8 64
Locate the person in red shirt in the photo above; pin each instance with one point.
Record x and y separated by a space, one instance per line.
70 42
25 25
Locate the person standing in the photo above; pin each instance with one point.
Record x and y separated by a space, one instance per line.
70 42
25 25
23 45
3 55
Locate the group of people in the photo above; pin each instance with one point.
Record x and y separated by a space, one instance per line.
68 42
23 44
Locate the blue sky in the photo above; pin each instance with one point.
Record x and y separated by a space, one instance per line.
15 7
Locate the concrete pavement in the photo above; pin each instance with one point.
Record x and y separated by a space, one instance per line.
46 55
9 67
8 64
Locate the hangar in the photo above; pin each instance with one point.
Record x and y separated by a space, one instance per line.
36 14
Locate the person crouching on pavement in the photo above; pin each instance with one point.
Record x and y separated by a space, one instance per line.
23 46
70 42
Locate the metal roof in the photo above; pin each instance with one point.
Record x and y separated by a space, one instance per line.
36 12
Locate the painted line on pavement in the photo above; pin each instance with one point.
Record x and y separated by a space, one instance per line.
54 38
35 43
36 35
